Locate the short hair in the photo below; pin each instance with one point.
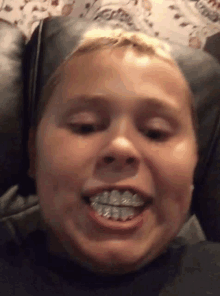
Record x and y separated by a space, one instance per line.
98 39
101 38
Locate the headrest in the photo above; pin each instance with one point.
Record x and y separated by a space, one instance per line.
57 38
11 88
203 73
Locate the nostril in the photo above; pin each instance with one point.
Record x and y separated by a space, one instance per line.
130 160
109 159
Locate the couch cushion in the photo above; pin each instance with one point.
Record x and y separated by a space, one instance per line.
11 50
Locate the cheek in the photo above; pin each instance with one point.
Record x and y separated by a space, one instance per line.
61 153
173 172
183 160
64 163
175 167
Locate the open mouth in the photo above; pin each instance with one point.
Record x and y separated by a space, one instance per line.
117 206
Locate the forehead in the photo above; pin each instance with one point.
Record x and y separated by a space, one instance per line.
122 70
128 60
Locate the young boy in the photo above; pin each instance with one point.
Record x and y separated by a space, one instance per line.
112 149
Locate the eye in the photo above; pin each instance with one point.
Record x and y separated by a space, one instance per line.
156 135
83 128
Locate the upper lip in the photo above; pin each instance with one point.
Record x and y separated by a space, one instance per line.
94 191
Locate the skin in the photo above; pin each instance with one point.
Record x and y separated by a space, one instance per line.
66 162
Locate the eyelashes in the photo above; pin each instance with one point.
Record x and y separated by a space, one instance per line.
84 128
87 129
156 135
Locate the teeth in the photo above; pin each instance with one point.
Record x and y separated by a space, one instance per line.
116 205
137 201
115 198
104 197
115 213
95 198
126 199
126 212
97 207
106 211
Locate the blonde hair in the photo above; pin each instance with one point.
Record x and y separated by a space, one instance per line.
96 39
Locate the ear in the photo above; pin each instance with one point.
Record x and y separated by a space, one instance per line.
32 153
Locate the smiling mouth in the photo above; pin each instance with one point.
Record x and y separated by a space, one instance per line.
117 207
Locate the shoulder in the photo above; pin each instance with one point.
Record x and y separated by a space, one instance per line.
201 255
12 259
22 271
198 271
13 268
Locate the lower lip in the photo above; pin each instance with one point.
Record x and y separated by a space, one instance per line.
122 226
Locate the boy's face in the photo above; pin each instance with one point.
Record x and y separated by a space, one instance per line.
116 119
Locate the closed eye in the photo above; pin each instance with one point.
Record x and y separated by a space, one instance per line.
84 128
156 135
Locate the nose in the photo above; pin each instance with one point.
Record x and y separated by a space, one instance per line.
120 154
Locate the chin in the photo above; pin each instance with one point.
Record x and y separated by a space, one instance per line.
111 264
112 258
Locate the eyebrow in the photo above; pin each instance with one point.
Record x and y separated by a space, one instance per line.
95 101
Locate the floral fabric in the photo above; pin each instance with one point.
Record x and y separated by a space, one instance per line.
194 23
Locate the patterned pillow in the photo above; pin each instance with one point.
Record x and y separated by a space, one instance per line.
191 23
